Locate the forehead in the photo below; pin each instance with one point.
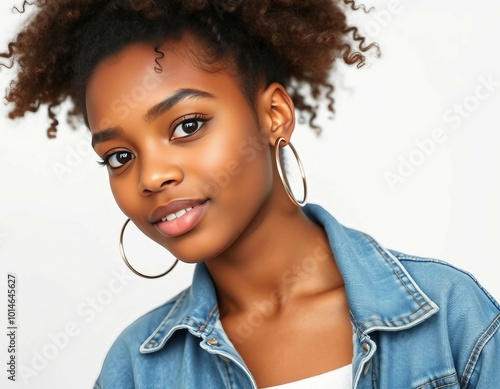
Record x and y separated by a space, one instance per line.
140 75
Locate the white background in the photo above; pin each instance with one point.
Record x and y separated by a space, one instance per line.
59 224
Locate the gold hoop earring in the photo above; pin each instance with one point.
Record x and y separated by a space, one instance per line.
284 181
124 257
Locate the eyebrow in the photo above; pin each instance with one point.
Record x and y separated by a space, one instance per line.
176 98
105 135
154 112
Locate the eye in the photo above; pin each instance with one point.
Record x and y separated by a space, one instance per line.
189 126
117 160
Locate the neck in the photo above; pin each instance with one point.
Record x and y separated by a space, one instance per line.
282 257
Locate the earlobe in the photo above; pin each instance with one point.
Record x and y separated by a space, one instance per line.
277 113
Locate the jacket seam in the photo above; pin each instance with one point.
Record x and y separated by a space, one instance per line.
439 379
484 338
374 374
383 253
227 374
209 317
447 385
164 321
356 324
425 310
187 320
406 257
360 326
425 305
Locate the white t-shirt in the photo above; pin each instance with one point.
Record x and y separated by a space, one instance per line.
335 379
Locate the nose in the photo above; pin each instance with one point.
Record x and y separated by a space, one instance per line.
157 174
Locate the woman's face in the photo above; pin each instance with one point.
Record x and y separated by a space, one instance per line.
187 160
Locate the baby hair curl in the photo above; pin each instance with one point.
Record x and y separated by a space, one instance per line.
293 42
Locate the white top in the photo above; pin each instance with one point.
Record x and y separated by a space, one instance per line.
335 379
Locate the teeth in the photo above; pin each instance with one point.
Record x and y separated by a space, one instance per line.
175 215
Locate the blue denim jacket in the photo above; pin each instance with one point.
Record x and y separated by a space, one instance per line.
417 323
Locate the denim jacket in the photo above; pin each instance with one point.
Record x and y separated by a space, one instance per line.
418 323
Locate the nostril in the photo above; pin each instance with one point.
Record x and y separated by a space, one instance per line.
155 177
168 182
149 188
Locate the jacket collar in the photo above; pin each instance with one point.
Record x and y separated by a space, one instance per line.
380 292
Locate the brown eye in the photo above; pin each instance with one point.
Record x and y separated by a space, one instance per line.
189 127
116 160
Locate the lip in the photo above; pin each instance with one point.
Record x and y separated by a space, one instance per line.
172 207
182 224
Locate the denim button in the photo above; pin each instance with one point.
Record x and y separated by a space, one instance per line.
213 342
366 347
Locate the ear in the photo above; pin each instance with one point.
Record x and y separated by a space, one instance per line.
276 113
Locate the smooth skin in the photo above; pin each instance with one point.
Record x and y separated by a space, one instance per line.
287 317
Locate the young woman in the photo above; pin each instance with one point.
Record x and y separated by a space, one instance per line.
282 295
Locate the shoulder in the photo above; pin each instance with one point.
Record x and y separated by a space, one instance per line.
469 317
125 351
137 332
443 282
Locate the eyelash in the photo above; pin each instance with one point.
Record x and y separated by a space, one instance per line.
198 117
188 118
105 161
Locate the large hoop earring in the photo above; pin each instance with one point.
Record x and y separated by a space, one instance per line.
284 181
124 257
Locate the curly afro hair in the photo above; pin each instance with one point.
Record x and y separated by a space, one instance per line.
293 42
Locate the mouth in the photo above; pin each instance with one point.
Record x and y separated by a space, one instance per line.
178 217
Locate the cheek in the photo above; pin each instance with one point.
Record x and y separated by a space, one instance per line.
248 175
236 163
131 206
120 190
